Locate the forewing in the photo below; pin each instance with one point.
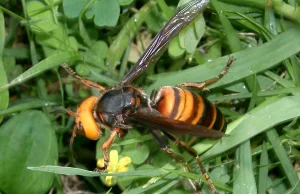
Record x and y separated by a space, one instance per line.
181 19
151 118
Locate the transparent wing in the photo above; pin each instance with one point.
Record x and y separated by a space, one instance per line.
181 19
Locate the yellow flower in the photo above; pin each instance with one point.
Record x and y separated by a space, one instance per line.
114 165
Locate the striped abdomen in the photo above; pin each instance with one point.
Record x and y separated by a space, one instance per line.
184 105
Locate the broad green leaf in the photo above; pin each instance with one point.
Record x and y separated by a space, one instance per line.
27 139
220 174
105 12
72 8
42 19
82 70
96 55
189 37
175 50
156 19
99 49
138 153
4 95
192 34
58 40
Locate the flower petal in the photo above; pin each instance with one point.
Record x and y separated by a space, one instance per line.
122 169
125 161
100 163
114 157
108 180
122 166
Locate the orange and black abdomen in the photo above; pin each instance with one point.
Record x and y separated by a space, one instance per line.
181 104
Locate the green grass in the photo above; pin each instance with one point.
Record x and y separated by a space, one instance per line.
101 40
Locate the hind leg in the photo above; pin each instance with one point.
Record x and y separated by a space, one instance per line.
202 85
193 152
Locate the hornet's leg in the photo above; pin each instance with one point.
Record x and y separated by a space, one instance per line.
194 154
106 145
86 82
74 131
208 82
165 147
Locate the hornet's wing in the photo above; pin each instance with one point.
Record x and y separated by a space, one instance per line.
151 118
182 18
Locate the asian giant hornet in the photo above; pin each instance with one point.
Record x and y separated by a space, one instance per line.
173 110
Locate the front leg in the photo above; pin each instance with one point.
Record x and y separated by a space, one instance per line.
107 144
86 82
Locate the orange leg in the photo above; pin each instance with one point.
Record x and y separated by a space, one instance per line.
86 82
107 144
208 82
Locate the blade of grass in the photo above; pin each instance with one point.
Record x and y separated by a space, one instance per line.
202 178
164 7
233 40
254 89
26 105
116 49
245 181
284 159
4 95
263 170
166 187
247 62
46 64
280 7
82 172
263 117
284 82
143 189
292 90
33 53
